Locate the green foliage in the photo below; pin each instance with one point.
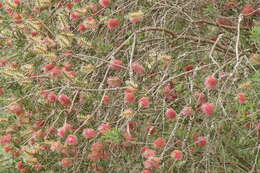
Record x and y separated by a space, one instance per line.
255 34
113 135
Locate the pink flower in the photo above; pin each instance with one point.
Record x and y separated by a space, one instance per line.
143 149
144 102
39 134
147 171
52 97
138 68
208 109
106 99
113 23
74 15
211 82
241 97
159 143
66 162
187 111
97 147
89 133
257 128
170 113
103 128
61 132
105 3
116 64
6 139
56 71
148 153
114 81
16 109
152 163
176 155
20 165
129 98
72 140
248 10
188 68
200 140
63 99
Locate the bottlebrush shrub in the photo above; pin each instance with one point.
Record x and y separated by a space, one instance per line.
86 86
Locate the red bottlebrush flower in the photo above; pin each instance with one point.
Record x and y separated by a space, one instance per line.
6 139
89 133
66 162
103 128
52 97
82 28
20 165
130 90
114 81
201 98
1 91
17 2
176 155
116 64
69 5
97 146
56 71
106 99
152 163
223 21
105 3
144 102
74 15
64 100
138 68
211 82
16 109
248 10
132 125
1 5
213 38
187 111
129 98
17 18
72 140
241 97
188 68
3 62
208 109
159 143
257 128
147 171
61 132
149 153
200 140
113 23
7 148
170 113
143 149
39 134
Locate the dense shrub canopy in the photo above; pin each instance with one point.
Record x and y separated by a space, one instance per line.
129 86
